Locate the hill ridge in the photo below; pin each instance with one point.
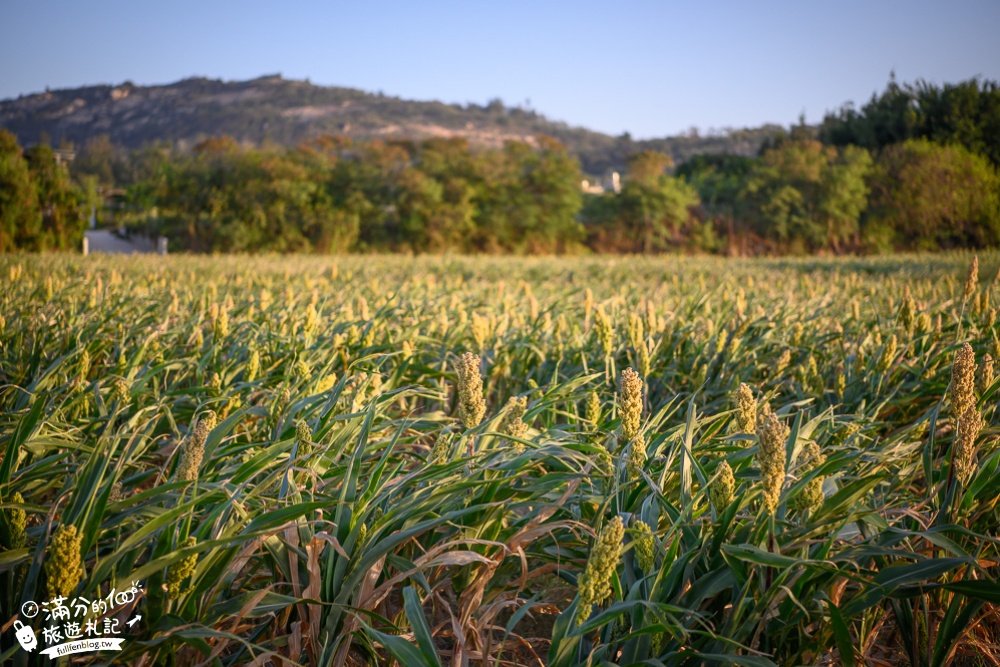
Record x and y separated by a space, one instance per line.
271 109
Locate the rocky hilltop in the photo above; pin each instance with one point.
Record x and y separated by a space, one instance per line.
272 109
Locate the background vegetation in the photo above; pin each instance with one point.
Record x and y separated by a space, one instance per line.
915 169
41 208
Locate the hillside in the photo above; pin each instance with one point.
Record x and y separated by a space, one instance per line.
272 109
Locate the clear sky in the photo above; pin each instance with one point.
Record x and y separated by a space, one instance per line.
650 68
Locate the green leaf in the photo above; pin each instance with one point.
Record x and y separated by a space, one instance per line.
415 615
841 635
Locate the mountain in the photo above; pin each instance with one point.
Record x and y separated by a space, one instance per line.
272 109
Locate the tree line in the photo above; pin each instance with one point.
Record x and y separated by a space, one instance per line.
335 195
916 168
913 169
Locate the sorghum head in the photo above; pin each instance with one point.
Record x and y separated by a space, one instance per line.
17 521
605 332
811 495
440 448
253 365
771 460
984 377
605 464
642 359
327 383
593 408
746 409
63 561
303 436
594 584
908 310
966 432
971 279
963 381
630 389
194 448
480 326
636 461
511 424
311 321
923 323
281 401
220 324
181 570
888 354
120 388
84 365
645 547
635 331
471 405
723 487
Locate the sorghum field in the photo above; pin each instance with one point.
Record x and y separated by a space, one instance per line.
356 461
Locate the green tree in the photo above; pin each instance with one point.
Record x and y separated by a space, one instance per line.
62 222
719 180
419 208
653 205
844 195
601 218
527 198
20 215
965 113
437 197
886 119
929 196
806 196
99 158
551 179
224 198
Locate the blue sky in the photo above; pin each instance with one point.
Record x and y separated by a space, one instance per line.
650 68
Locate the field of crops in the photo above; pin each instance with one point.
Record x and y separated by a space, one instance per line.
491 461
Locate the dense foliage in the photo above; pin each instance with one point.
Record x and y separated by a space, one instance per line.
332 195
926 196
507 461
39 204
336 196
651 214
803 196
966 114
